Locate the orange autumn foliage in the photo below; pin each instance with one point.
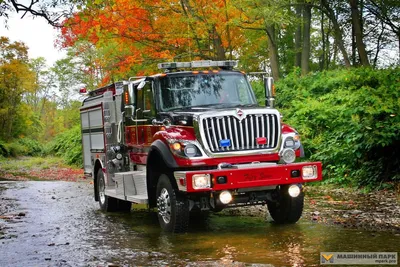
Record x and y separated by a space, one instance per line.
133 35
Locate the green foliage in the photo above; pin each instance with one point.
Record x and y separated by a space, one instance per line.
259 91
21 147
4 151
30 147
349 120
68 145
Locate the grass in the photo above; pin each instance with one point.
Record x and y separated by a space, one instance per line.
28 163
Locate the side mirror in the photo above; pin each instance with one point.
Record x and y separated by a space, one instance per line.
269 92
129 111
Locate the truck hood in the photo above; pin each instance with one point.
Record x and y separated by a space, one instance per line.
185 118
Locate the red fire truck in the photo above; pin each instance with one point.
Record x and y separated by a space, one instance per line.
190 140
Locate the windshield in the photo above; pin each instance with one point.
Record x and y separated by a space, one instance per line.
205 90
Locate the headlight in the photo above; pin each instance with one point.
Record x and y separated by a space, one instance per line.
288 155
185 149
292 141
201 181
190 151
289 142
309 172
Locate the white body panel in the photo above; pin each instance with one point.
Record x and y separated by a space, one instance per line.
100 119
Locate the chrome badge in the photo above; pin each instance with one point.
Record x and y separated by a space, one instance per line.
240 114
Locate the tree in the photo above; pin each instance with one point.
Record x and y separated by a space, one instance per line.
130 36
305 54
52 11
358 32
43 86
338 34
16 79
267 17
388 13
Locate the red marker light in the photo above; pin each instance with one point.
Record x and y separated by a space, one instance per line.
261 140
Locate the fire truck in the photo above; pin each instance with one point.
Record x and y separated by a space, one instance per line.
191 140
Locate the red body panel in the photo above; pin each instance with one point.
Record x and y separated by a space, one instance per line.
254 177
149 133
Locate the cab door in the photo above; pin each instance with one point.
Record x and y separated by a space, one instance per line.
144 114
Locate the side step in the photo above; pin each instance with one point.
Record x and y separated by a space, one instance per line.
130 186
141 199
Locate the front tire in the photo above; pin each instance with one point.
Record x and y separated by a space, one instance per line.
173 210
286 209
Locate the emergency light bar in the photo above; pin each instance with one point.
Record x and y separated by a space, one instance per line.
228 64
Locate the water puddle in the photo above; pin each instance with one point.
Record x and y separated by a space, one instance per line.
63 226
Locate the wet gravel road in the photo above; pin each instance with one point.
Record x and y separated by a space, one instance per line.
59 224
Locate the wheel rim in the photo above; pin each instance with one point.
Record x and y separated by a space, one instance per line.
102 187
164 205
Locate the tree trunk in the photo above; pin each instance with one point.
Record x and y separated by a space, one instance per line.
228 33
305 55
219 50
378 45
337 32
356 21
353 46
273 52
328 47
297 35
322 57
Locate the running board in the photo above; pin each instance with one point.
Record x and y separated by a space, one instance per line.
139 199
130 186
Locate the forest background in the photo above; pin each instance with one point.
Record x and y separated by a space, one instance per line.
335 63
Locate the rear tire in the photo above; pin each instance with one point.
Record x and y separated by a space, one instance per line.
108 204
286 209
173 210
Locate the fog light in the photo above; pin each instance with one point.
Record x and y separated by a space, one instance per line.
288 155
225 197
201 181
309 172
294 190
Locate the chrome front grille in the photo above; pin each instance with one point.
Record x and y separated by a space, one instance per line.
242 132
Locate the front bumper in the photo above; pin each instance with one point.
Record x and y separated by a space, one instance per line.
250 176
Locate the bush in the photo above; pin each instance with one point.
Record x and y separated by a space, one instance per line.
21 147
68 145
30 147
4 151
349 120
